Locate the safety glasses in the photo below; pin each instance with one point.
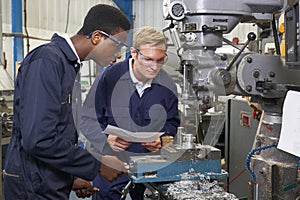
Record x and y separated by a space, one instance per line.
120 47
149 61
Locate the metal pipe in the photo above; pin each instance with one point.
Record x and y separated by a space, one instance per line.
255 192
16 18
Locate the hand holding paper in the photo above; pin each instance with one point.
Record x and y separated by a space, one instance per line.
132 136
152 146
117 143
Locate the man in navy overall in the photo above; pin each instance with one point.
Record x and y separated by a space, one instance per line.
43 160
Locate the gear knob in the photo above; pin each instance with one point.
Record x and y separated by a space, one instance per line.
251 36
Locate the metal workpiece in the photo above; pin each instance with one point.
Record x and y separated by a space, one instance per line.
176 163
187 141
180 131
199 152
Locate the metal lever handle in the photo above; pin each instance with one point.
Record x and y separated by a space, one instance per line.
251 37
126 190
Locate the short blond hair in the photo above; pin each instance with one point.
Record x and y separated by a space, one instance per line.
148 35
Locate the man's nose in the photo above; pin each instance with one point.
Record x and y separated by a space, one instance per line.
155 65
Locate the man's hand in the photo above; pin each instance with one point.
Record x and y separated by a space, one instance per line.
112 168
83 188
117 143
152 146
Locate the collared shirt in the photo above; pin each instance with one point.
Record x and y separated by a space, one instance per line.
79 63
140 87
68 39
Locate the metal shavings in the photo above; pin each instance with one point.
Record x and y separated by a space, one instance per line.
202 189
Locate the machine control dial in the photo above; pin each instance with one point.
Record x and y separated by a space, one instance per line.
177 10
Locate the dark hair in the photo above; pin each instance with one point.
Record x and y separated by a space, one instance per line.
106 18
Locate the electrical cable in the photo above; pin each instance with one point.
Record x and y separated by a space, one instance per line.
25 26
234 178
251 154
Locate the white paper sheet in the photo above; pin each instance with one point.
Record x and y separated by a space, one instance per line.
289 140
132 136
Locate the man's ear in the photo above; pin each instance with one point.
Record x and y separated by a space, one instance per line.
97 37
133 52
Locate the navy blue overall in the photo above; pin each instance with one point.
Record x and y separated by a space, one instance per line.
42 158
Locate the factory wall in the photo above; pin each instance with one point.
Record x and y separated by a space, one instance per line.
148 12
